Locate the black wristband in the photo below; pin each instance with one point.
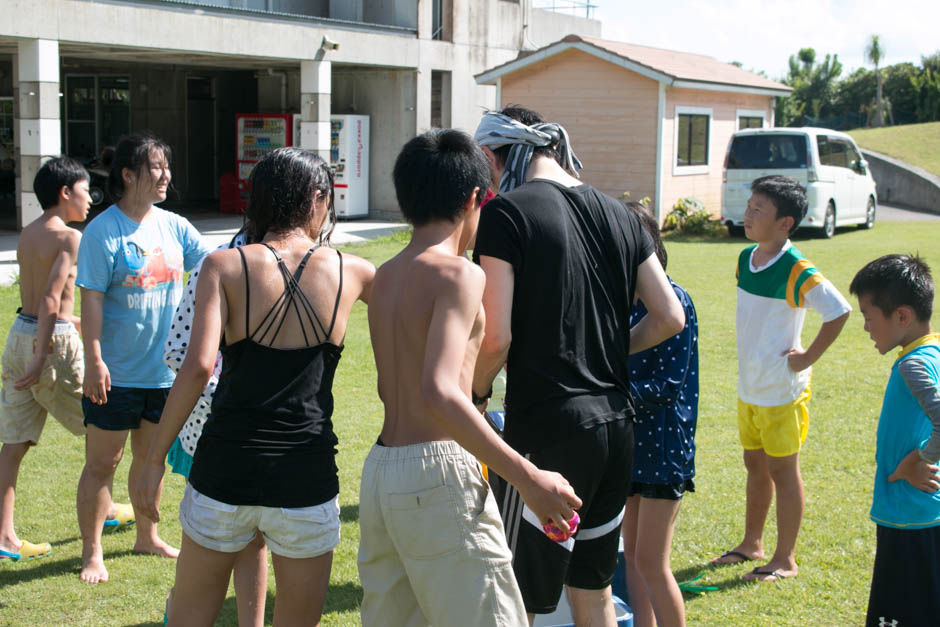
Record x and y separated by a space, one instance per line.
479 400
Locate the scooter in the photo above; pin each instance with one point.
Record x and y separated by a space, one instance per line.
98 170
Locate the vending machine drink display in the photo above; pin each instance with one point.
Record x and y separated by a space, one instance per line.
349 158
256 135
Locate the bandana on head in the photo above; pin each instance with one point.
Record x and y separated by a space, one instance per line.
497 130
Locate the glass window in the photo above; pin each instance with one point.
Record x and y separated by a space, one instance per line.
693 140
839 153
761 152
748 121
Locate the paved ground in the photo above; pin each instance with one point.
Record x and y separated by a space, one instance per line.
216 228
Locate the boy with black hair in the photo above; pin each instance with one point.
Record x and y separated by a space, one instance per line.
775 285
43 359
895 296
432 548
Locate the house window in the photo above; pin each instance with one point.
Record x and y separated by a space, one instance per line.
748 118
693 128
440 99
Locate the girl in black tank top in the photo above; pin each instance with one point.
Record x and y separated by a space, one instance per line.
268 443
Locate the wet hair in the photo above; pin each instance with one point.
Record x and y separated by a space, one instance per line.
436 172
786 194
895 280
283 185
53 176
651 226
529 118
133 153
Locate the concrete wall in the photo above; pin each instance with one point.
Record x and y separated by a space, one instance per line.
903 184
609 113
724 105
388 97
547 27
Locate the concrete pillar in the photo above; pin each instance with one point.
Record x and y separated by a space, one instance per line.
315 90
423 100
39 130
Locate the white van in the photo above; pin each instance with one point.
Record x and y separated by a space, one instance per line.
839 188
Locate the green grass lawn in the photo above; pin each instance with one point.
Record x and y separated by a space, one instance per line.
836 546
917 144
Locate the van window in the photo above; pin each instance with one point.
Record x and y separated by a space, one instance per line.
839 153
762 152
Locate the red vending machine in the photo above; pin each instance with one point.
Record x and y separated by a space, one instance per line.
257 134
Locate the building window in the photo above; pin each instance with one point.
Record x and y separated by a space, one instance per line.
751 118
97 113
693 128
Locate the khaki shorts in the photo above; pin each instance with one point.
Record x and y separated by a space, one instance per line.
59 391
779 430
298 533
432 548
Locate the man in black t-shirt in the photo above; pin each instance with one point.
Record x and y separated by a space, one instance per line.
563 264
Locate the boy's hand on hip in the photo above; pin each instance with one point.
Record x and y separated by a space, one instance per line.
917 472
798 359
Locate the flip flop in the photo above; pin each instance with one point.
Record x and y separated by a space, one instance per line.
765 576
738 554
123 517
692 587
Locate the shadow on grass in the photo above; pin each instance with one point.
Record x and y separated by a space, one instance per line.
47 567
344 597
349 513
710 579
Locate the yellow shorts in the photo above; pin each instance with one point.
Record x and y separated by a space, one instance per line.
779 430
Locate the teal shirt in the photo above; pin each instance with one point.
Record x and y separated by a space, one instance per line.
903 427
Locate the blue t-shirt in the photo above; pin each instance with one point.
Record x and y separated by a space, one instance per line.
139 267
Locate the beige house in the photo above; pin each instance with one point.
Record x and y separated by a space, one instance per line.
643 120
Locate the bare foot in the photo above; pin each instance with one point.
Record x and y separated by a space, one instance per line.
156 547
737 555
772 572
93 571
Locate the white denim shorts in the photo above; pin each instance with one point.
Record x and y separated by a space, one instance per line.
298 533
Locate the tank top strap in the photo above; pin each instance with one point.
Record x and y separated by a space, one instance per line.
339 295
247 288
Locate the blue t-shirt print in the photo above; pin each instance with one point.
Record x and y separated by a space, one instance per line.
139 268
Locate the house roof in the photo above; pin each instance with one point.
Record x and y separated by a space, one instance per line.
674 68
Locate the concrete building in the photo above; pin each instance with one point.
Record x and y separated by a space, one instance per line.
648 121
75 75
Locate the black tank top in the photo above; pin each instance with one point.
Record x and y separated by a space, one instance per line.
269 438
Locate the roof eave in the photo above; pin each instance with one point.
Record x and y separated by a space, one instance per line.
729 87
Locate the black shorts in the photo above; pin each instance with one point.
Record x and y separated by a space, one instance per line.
665 491
905 583
125 408
597 461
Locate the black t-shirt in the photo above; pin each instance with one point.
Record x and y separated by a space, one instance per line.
575 254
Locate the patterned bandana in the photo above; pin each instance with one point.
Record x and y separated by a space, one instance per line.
497 130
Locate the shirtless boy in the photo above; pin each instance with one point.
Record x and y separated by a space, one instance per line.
432 548
42 360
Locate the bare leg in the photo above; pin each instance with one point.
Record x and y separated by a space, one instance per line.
251 582
654 537
301 589
11 456
103 451
760 491
201 583
147 539
592 607
636 586
789 483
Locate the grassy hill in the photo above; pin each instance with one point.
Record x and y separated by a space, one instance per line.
917 144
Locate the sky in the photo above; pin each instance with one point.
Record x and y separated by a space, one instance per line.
762 34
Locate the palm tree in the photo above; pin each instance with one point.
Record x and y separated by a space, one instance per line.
875 53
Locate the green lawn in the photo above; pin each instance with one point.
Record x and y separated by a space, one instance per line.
917 144
836 545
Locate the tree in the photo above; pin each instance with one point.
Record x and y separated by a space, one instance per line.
813 88
875 53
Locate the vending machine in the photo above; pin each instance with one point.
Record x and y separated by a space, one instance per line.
349 158
256 135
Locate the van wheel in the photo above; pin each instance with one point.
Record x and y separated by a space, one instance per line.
735 231
829 224
869 215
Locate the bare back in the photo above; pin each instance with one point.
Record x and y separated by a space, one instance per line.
409 291
47 253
